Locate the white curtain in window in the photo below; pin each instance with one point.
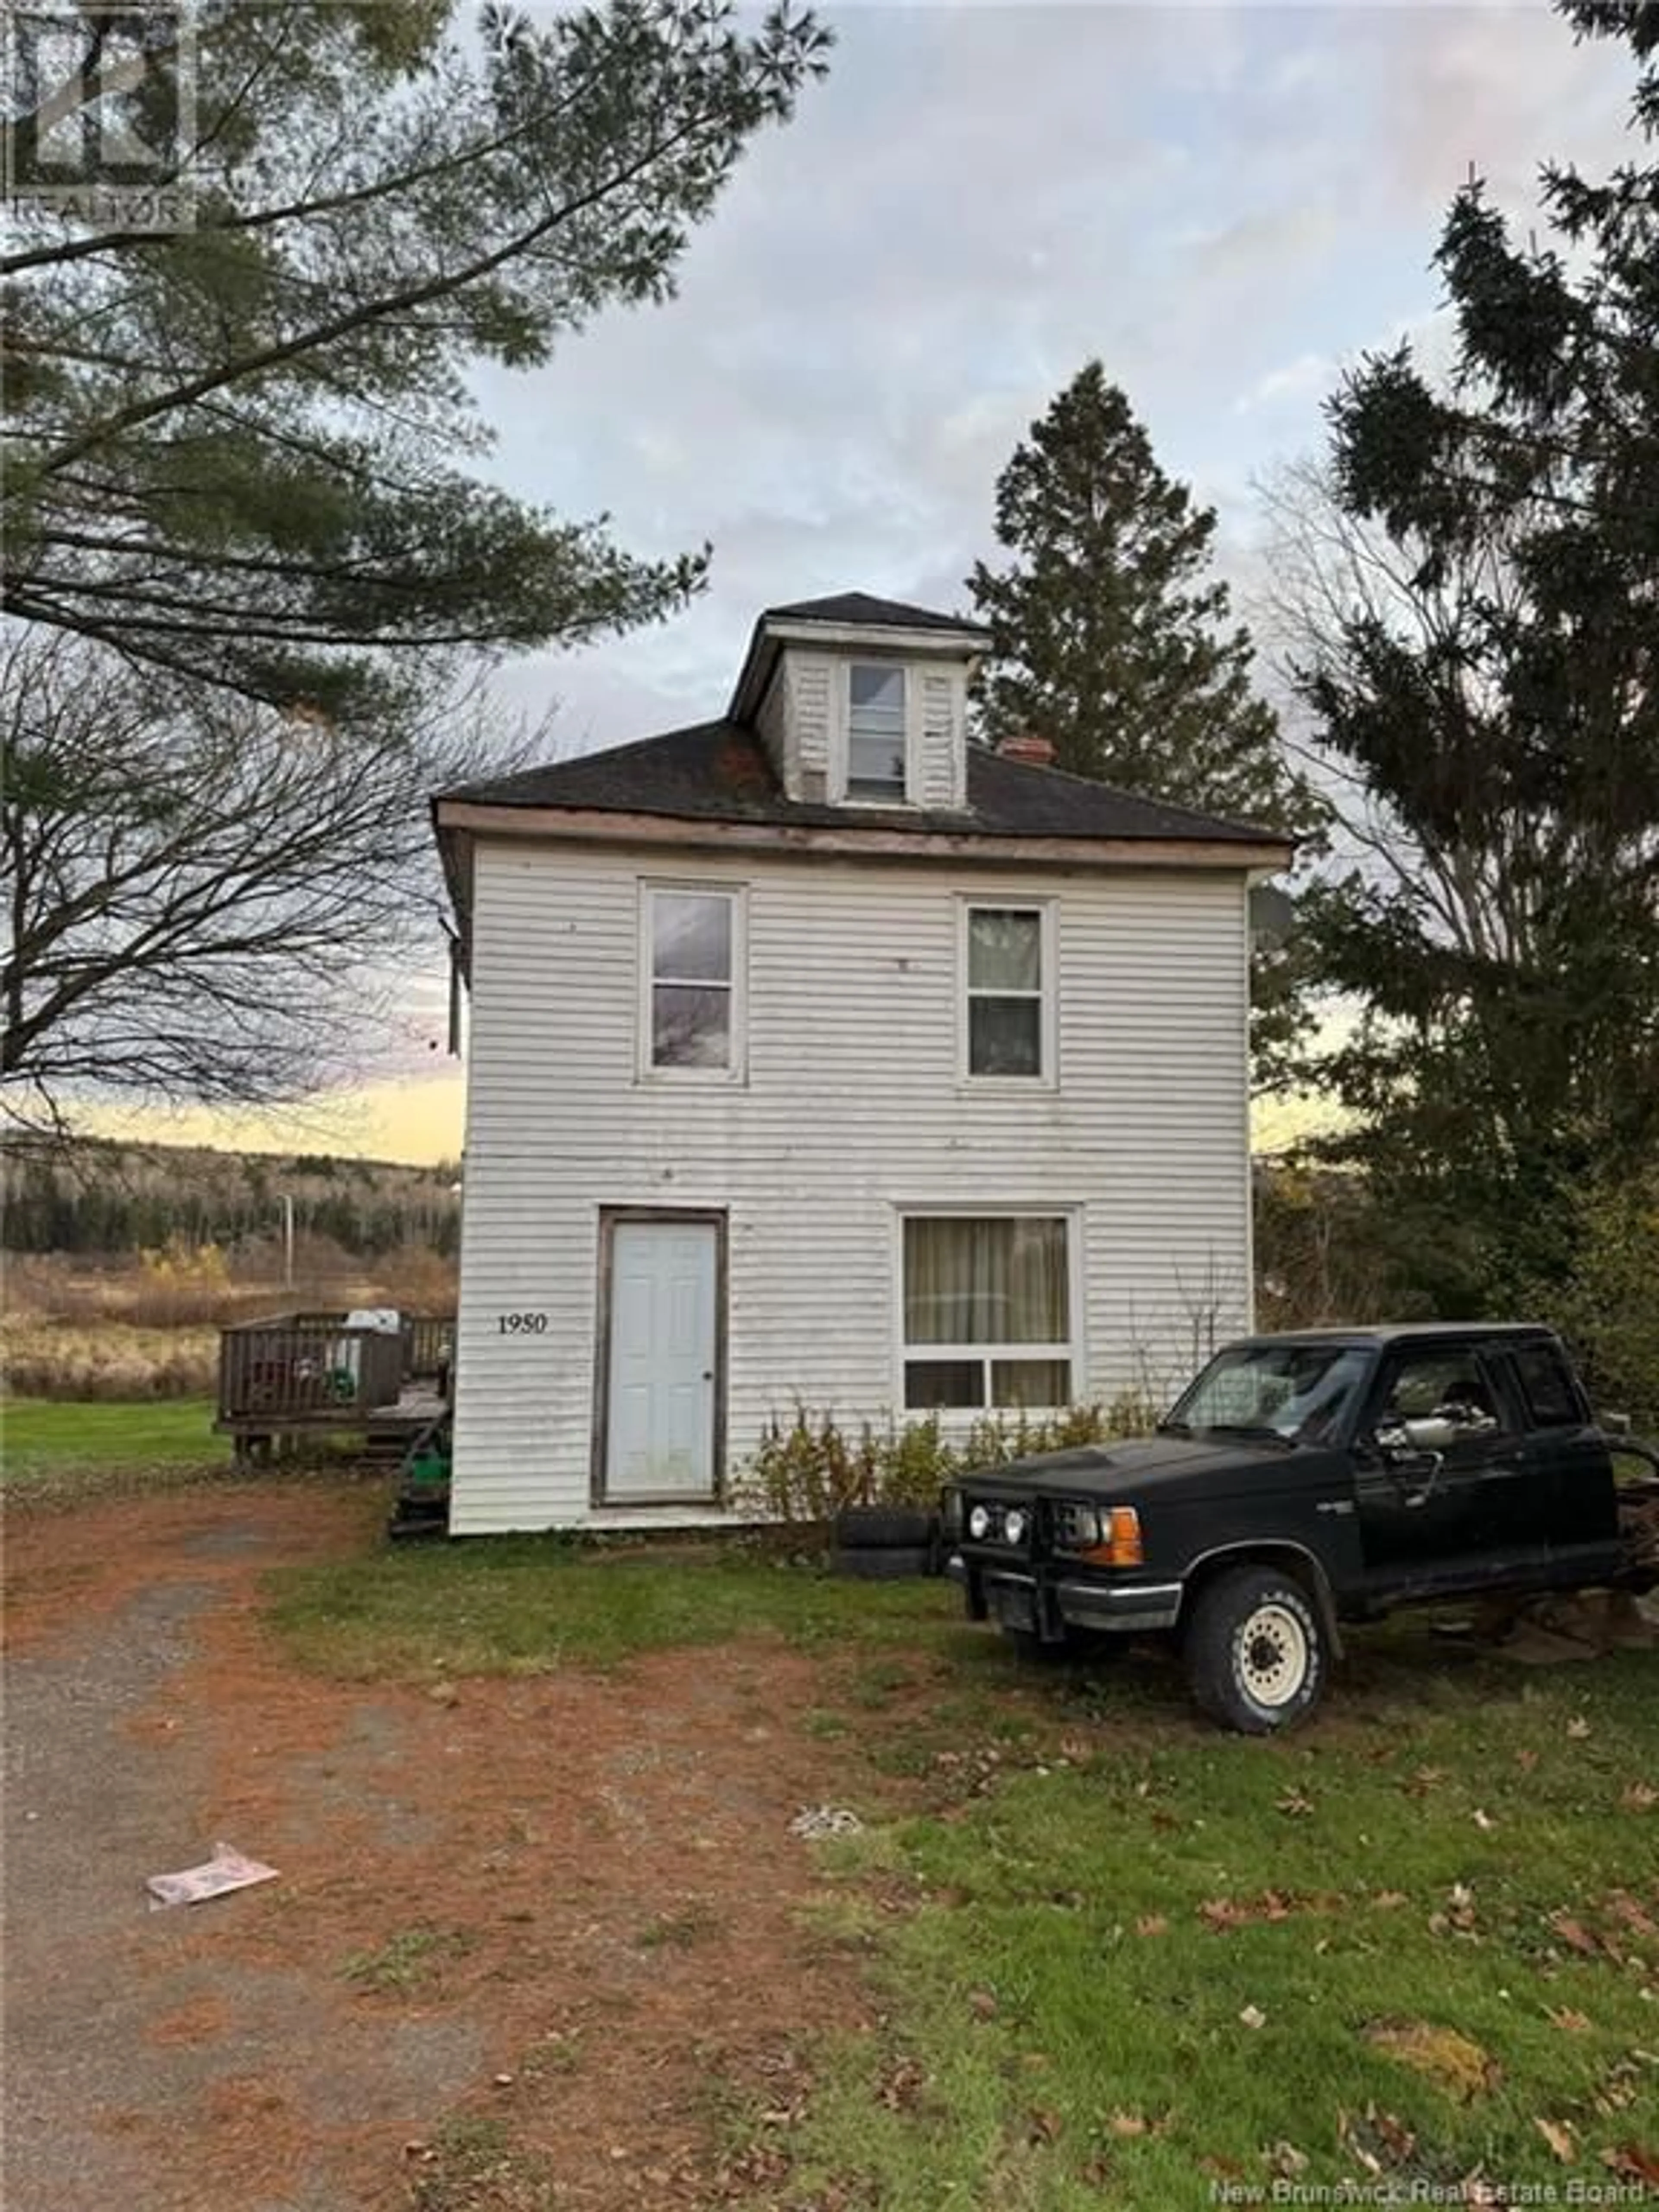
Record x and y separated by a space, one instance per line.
1000 1280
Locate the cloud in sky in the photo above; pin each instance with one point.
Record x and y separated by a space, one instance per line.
1223 203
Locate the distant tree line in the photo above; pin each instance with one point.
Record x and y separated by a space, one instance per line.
106 1203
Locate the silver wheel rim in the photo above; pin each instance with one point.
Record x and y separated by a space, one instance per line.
1273 1656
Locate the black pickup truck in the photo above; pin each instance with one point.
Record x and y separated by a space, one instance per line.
1302 1481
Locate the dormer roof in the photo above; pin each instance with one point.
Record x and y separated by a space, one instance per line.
851 618
862 611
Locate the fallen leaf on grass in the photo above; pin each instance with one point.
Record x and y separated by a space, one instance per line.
1574 2022
1224 1912
1624 1908
981 2004
1559 2137
1640 1798
1575 1934
1578 1727
903 2085
1460 1915
1453 2063
1253 2016
1127 2123
1389 1900
1365 2137
1042 2126
1424 1779
1151 1923
1482 1819
1285 2160
1526 1760
1633 2162
1619 2088
1294 1804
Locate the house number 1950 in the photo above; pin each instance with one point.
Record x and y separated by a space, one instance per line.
523 1324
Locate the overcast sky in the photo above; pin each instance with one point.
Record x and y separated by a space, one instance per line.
1222 203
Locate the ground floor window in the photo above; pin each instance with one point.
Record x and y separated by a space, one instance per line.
987 1311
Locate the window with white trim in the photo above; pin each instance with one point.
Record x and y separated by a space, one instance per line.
692 1015
878 745
987 1311
1007 958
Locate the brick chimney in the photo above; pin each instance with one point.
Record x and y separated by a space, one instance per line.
1029 748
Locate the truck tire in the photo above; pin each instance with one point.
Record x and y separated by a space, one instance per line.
884 1528
894 1563
1255 1652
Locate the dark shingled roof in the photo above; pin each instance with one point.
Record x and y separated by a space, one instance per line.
864 611
721 772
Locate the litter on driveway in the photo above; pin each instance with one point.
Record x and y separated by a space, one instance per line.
227 1869
817 1821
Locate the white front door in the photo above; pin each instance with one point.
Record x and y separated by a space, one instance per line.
660 1394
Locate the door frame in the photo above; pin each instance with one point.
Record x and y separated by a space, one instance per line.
1450 1570
610 1219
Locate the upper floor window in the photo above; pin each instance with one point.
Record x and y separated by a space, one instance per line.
693 974
1009 963
876 743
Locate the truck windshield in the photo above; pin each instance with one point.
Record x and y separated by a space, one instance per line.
1297 1391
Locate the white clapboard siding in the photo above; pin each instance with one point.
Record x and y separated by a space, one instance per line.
851 1109
944 751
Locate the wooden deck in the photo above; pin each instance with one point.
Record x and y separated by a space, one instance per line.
306 1375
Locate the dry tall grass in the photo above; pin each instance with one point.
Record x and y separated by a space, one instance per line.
147 1327
70 1360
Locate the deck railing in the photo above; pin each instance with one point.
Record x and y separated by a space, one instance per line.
306 1369
428 1346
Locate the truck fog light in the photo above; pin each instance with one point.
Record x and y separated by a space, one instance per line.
979 1523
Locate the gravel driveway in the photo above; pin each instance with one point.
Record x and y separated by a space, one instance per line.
491 1906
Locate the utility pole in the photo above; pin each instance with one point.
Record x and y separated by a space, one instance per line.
288 1241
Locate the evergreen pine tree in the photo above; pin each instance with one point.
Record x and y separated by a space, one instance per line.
1109 636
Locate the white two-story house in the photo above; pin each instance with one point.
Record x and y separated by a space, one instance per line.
816 1056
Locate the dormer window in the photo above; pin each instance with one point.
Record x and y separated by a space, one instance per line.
877 748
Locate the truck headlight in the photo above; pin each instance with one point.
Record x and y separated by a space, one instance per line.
1077 1528
1105 1535
979 1522
1015 1522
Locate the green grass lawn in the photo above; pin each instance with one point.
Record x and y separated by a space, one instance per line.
1120 1957
527 1604
1418 1942
41 1437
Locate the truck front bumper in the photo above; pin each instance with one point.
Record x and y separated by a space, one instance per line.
1046 1604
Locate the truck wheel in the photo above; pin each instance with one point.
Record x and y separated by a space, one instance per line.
1255 1652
